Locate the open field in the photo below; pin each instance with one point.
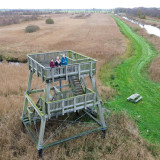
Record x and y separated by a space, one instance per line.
81 35
85 36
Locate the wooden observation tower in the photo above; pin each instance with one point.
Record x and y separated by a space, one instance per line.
65 107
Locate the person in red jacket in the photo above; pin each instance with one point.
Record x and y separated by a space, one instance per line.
52 63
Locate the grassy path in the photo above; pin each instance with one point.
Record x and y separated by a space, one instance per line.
131 77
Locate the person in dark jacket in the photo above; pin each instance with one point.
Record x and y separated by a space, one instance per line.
58 62
52 63
64 60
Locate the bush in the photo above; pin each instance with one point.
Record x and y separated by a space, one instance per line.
49 21
32 28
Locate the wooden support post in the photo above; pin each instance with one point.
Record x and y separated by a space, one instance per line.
41 133
29 81
93 84
47 90
60 85
49 114
32 63
40 153
84 83
24 108
101 116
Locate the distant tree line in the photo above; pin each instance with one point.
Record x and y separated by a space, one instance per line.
8 17
24 12
49 11
15 19
139 12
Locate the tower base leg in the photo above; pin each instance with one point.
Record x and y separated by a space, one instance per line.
103 134
23 128
40 153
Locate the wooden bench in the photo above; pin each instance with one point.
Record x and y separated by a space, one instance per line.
134 98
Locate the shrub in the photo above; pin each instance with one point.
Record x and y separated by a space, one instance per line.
32 28
49 21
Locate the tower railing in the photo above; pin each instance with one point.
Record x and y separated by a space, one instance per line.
82 66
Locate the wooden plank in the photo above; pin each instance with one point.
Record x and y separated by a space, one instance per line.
133 96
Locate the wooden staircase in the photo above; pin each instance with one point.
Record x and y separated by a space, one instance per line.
76 85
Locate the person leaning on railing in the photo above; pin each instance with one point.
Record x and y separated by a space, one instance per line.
58 62
64 60
52 63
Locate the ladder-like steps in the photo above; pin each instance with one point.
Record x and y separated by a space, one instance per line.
77 88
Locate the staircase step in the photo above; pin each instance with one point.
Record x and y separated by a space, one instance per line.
77 88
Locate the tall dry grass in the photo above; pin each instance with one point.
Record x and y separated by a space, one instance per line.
154 69
122 139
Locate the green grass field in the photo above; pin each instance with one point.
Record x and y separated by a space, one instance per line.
128 75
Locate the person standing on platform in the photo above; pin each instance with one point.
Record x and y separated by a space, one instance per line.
58 62
52 63
64 60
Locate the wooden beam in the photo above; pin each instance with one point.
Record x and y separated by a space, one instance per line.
56 89
29 81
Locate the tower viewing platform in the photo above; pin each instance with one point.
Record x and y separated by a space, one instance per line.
78 64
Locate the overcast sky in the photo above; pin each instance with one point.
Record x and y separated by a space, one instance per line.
76 4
